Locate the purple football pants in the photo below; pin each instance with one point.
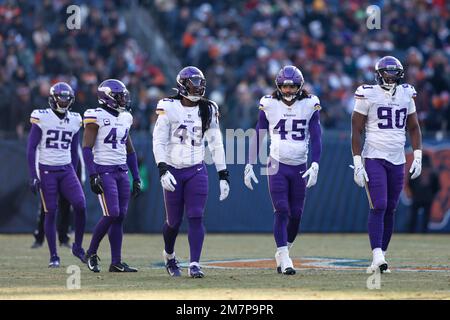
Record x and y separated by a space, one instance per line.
383 191
190 195
64 180
287 190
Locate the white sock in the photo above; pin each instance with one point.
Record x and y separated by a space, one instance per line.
195 263
169 256
377 253
384 253
283 249
289 245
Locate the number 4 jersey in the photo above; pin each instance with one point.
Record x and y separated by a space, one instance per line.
386 120
110 145
54 147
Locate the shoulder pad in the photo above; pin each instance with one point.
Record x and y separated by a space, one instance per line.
362 92
163 104
315 102
90 116
410 90
36 115
264 102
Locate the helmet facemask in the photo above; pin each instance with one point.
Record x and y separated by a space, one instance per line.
291 92
193 88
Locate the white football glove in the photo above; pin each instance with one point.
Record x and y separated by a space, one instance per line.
359 174
416 166
249 175
224 190
312 172
168 181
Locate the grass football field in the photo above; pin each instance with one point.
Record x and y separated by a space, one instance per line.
237 266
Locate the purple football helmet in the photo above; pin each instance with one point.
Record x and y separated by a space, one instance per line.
388 72
191 83
113 94
289 75
61 97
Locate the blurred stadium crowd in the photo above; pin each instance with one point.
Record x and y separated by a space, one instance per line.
240 45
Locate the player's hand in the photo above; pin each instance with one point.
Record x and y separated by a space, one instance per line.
416 166
96 184
35 185
312 172
359 173
249 175
137 186
224 178
168 181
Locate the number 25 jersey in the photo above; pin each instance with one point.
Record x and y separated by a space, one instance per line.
386 120
110 145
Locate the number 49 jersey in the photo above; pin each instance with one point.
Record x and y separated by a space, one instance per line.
54 147
289 127
110 145
386 120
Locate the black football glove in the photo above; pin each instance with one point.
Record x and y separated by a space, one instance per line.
35 185
137 186
96 184
224 175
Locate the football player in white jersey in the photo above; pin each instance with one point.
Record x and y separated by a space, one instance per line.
54 132
184 122
108 153
384 111
291 116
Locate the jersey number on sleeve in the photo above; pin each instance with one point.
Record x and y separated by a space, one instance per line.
53 139
112 138
385 113
280 128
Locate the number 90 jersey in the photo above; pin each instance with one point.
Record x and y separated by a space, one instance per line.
110 145
55 145
386 120
289 127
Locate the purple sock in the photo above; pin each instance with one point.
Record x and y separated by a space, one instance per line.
388 228
100 230
375 226
115 235
80 223
50 232
170 235
292 229
280 229
196 235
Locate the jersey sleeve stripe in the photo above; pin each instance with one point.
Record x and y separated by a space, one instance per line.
317 106
261 107
34 120
160 111
90 117
359 95
86 121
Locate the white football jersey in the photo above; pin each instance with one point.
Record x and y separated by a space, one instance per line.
386 120
289 127
54 149
111 144
177 136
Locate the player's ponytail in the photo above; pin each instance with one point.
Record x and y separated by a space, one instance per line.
205 112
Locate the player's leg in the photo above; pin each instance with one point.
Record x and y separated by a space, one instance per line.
63 221
195 196
115 233
39 233
395 181
279 193
72 191
174 205
49 195
297 192
109 202
376 190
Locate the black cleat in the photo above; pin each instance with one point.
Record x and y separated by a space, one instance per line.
383 267
36 245
92 262
279 270
289 271
121 267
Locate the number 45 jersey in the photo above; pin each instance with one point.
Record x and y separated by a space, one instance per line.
386 120
55 144
289 127
110 146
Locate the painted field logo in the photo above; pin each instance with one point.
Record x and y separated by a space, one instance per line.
309 263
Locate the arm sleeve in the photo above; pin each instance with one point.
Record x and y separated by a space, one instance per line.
315 133
33 141
89 161
132 163
262 126
412 104
215 142
161 135
74 150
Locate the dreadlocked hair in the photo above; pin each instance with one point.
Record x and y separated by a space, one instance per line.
205 108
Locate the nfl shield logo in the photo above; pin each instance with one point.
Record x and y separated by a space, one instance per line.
106 122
